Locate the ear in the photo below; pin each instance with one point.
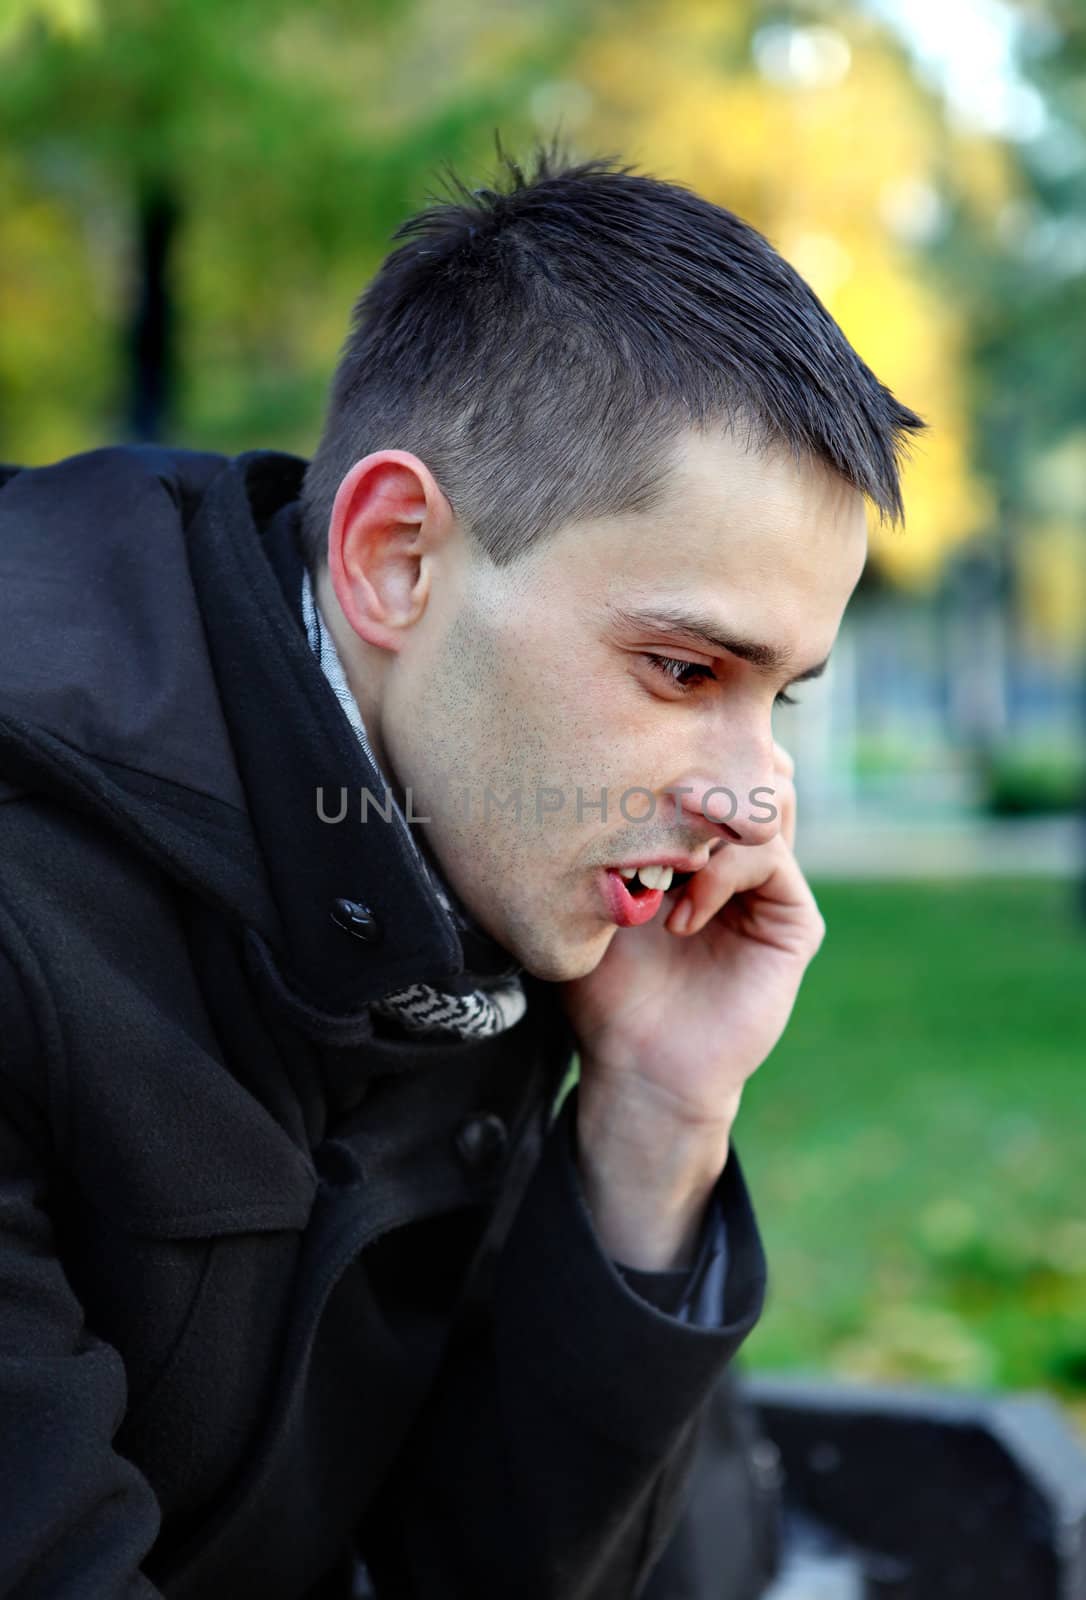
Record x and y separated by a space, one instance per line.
388 520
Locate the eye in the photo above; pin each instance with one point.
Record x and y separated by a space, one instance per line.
674 670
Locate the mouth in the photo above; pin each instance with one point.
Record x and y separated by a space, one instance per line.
634 894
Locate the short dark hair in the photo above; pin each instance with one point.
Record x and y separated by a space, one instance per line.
542 343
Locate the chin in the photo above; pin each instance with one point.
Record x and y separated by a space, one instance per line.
564 964
549 947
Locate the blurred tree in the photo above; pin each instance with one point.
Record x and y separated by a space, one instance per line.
237 168
196 193
1014 268
1030 376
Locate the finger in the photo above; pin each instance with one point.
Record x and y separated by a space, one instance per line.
782 905
729 871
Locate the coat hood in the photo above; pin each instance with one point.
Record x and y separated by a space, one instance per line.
155 673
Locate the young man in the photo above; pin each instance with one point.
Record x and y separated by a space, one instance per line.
298 1255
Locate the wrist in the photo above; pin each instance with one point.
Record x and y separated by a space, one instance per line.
647 1176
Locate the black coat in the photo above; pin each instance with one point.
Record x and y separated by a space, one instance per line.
236 1213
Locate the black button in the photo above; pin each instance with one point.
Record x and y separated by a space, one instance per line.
482 1141
356 919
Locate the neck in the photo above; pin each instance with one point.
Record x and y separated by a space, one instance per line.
362 676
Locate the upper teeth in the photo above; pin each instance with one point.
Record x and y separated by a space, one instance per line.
651 877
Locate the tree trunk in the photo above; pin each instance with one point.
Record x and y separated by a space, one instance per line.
151 330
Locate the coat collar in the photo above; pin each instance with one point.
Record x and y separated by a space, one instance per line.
290 738
162 681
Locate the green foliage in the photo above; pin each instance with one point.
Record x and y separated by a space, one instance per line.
1036 785
1018 276
71 18
292 139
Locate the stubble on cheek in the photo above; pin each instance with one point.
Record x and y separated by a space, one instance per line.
509 715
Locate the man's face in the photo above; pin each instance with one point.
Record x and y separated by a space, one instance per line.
537 680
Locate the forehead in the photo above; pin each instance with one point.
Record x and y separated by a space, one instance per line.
760 532
757 495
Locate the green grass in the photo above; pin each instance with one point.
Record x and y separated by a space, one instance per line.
916 1146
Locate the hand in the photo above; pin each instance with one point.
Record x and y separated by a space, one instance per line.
672 1024
692 1015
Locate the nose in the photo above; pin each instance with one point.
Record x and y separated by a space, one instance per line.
741 802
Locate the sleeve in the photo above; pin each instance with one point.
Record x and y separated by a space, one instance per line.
696 1293
77 1518
551 1458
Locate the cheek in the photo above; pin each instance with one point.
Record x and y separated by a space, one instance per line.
567 722
519 704
450 724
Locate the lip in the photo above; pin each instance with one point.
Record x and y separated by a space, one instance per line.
623 908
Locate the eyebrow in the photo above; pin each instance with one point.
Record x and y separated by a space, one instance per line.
700 628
